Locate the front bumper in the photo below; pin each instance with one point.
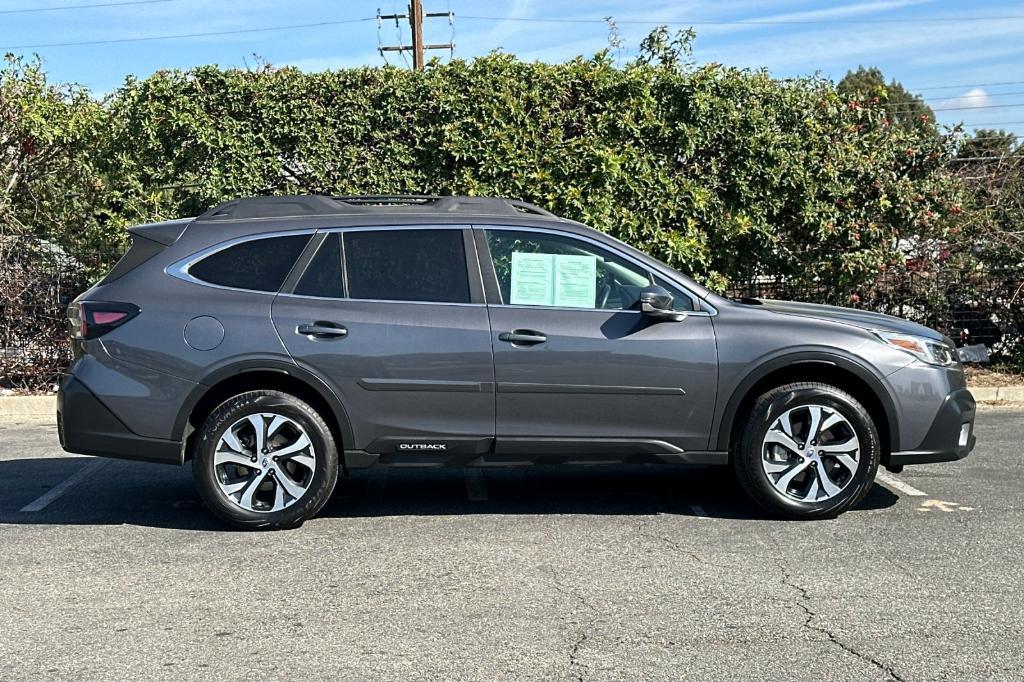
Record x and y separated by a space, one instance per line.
950 437
85 426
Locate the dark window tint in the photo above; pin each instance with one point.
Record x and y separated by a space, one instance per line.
323 275
258 264
407 265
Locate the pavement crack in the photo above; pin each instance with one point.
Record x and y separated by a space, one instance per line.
577 668
576 595
803 602
641 529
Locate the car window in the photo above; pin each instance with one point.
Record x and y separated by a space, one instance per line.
257 264
323 274
406 265
537 268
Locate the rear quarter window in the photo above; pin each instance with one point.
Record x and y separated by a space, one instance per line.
256 264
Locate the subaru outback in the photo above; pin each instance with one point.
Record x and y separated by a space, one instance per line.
279 342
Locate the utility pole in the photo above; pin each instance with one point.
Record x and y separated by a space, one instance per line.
416 22
415 15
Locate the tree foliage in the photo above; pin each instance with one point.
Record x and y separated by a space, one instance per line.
902 108
48 139
990 169
986 143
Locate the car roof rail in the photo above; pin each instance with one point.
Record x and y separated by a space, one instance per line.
273 207
449 204
321 204
387 199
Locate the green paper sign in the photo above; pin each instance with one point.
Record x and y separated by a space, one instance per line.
554 280
532 278
575 281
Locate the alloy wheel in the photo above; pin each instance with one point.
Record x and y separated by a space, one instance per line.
264 462
810 453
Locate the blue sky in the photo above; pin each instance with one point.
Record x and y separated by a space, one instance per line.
951 61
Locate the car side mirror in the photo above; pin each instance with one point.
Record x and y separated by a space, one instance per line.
656 302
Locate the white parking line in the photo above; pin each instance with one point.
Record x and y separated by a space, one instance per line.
898 486
56 491
476 485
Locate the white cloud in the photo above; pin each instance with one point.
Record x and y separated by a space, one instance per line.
973 98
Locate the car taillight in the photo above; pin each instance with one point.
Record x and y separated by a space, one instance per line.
89 319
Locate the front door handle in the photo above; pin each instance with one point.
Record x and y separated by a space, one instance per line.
322 330
522 337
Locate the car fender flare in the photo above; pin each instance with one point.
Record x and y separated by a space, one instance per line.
264 364
832 356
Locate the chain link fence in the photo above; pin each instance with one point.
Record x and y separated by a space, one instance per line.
38 279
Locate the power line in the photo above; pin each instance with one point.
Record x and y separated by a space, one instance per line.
188 35
903 108
993 125
32 10
742 22
985 106
982 94
965 85
398 34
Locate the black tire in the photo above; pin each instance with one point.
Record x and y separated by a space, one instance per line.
324 450
747 456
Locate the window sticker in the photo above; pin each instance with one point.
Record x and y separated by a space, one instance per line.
532 279
576 281
553 280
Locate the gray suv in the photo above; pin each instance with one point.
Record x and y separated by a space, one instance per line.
279 341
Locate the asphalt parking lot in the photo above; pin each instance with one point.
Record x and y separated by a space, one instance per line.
112 569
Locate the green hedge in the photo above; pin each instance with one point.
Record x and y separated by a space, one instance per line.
721 172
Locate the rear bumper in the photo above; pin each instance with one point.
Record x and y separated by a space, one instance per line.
951 436
86 427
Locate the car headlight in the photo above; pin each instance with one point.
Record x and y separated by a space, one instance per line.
926 350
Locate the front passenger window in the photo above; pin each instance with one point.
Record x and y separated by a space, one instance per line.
540 269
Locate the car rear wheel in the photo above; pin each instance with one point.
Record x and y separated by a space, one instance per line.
265 460
808 451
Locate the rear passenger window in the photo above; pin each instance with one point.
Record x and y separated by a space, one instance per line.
406 265
323 275
257 264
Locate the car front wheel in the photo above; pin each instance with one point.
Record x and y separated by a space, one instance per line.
808 451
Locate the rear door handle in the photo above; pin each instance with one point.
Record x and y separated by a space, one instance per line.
522 337
322 330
